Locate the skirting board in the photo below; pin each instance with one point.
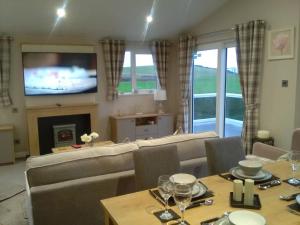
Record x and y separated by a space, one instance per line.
21 154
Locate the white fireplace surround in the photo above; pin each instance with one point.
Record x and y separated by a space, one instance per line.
33 113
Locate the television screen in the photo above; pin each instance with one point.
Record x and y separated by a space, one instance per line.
48 73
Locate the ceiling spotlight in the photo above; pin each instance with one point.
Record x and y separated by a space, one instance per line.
149 19
61 12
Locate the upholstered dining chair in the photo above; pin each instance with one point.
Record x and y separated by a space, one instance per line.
296 139
151 162
223 154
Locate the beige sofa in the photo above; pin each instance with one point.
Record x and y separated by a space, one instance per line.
65 188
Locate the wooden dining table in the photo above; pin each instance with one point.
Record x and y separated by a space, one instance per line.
137 208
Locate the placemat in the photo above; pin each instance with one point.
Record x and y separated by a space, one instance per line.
294 208
229 177
209 221
174 214
236 204
171 202
287 181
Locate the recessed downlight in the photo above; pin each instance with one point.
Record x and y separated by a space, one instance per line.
149 19
61 12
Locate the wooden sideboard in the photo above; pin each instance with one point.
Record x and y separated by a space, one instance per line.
140 126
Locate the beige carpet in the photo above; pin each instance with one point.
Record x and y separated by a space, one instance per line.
9 190
12 196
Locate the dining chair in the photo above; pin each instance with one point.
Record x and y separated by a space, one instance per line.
267 151
223 154
296 139
151 162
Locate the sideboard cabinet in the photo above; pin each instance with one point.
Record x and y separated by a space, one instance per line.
140 126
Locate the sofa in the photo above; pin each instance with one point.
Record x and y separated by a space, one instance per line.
66 188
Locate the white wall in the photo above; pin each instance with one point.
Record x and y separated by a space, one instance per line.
278 105
125 104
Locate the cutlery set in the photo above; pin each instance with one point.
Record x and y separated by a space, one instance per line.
269 184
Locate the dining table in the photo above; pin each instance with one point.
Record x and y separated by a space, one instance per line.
137 208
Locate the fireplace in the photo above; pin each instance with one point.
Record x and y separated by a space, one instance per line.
40 121
64 135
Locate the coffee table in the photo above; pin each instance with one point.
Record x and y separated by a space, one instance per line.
70 148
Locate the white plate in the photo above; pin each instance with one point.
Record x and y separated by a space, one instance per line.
233 172
245 217
261 174
298 199
198 190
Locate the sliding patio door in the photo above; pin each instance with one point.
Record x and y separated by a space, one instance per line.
216 94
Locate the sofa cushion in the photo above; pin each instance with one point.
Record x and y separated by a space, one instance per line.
189 146
93 161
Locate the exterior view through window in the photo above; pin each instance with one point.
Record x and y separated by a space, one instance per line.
217 99
139 74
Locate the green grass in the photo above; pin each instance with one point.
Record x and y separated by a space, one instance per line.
204 80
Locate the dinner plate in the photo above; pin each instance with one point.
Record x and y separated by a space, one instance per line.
245 217
239 175
298 199
198 190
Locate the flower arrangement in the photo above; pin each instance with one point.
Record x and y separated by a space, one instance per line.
89 138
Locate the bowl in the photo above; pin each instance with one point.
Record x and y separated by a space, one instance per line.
245 217
183 178
250 167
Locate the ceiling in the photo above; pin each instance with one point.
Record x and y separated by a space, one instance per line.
97 19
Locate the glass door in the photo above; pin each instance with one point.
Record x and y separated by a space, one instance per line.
204 90
234 106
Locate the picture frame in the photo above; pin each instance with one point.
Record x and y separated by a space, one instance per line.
281 43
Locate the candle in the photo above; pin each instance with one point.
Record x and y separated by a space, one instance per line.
237 190
249 192
263 134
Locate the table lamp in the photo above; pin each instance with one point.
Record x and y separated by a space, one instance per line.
160 96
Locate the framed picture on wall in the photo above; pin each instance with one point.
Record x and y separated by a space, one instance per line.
281 43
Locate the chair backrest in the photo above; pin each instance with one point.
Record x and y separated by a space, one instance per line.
151 162
267 151
296 140
223 154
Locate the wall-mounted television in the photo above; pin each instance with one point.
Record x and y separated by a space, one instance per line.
58 73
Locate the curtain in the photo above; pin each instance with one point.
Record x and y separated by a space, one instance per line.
186 48
250 42
114 53
160 56
5 51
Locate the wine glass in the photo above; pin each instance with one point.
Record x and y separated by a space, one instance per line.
182 197
294 158
165 188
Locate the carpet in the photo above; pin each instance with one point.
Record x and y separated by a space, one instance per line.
9 190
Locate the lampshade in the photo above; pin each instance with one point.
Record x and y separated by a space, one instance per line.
160 95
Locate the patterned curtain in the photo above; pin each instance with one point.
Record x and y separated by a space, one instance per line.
114 53
250 42
186 49
5 49
160 56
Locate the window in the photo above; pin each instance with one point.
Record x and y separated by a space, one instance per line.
217 99
139 73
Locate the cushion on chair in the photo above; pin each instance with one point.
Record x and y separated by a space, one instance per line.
151 162
223 154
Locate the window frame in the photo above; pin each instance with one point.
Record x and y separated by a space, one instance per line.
221 46
135 50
